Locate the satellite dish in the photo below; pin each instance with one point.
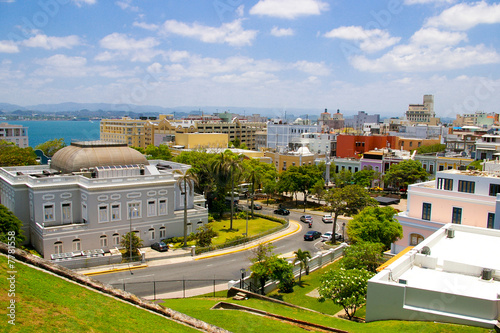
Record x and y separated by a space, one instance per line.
426 250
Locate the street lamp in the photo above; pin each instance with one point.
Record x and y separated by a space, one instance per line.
133 209
343 226
242 271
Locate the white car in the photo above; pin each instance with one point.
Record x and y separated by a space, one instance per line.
327 219
327 236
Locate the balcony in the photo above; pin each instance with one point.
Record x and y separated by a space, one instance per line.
55 227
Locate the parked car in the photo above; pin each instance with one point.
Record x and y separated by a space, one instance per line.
160 246
312 235
256 206
306 218
327 218
327 236
282 211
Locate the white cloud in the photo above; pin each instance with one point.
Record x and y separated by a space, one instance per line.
415 58
464 16
369 40
7 46
289 9
80 3
231 33
126 5
433 37
240 11
62 65
118 41
424 2
281 32
52 43
312 68
147 26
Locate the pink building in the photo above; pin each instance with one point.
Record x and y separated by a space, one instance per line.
460 197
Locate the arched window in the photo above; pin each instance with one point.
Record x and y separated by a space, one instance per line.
58 247
151 233
77 245
163 232
416 239
116 239
104 241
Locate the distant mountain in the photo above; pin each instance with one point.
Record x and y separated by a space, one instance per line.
6 107
70 106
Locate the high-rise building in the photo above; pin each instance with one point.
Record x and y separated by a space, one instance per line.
422 113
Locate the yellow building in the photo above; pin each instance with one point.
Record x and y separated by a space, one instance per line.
236 129
301 157
124 130
201 140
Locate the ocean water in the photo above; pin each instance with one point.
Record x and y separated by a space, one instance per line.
43 131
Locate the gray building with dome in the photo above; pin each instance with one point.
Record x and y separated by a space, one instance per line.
93 193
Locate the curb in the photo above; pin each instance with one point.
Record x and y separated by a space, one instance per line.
252 246
113 270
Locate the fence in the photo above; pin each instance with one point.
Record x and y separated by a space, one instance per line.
173 288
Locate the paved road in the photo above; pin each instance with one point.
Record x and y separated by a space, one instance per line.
220 268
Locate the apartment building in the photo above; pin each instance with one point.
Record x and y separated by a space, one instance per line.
422 113
456 196
16 134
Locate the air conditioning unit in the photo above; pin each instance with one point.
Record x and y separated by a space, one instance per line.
426 250
450 233
487 274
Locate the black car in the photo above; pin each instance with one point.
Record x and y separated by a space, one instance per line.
312 235
160 246
281 211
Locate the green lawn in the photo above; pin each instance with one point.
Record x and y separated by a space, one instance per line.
46 303
242 322
255 226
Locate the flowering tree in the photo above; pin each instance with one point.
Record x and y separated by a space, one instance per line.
346 288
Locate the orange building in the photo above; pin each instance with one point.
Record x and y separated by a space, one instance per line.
353 145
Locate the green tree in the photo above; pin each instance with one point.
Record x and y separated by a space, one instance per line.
438 147
476 165
348 201
185 182
125 243
363 255
50 147
204 235
405 173
282 271
261 264
343 178
347 288
12 155
375 225
318 189
302 257
162 152
10 228
364 178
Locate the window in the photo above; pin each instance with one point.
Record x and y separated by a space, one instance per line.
162 207
151 234
116 239
189 228
445 184
115 212
58 247
491 221
456 215
66 212
466 186
426 211
151 207
134 210
494 189
77 245
84 212
48 213
415 239
104 241
163 232
103 213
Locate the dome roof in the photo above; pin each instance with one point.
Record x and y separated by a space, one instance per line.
90 154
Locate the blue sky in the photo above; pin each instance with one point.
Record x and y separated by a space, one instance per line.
377 56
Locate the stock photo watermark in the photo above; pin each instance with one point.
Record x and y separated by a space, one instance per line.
11 278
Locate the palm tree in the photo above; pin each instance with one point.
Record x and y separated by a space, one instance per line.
254 176
228 163
302 257
186 183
